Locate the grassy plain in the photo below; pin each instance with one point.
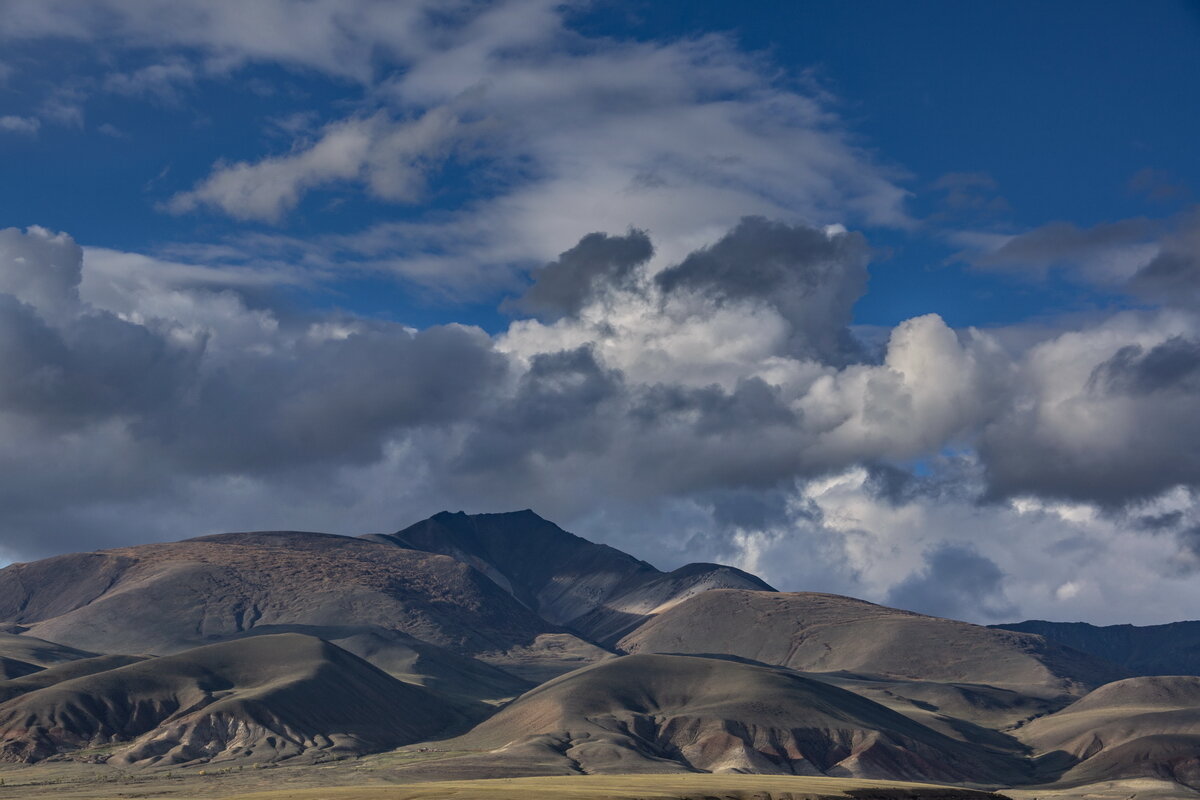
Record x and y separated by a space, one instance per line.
364 780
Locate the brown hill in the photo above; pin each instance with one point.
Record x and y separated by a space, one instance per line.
65 671
1145 727
414 661
592 588
37 652
25 655
164 598
262 698
665 713
814 632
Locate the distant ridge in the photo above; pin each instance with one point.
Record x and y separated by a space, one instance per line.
1170 649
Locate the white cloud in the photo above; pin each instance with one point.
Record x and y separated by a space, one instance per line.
161 80
390 159
14 124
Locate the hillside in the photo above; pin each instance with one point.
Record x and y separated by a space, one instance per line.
814 632
1146 727
163 598
263 698
665 713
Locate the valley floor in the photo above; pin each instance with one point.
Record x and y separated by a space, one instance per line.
368 780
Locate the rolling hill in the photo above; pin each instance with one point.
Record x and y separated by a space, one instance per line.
262 698
1146 727
813 632
540 653
669 713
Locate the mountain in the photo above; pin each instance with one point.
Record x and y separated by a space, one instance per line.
596 590
669 713
1171 649
163 598
566 656
262 698
1146 727
814 632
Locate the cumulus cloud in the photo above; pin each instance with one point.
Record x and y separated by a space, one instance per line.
564 286
1102 415
674 410
810 277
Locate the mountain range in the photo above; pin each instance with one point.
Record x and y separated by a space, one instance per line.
509 647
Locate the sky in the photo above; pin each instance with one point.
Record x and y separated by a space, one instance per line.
899 301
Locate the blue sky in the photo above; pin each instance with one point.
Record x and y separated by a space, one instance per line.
880 286
1058 109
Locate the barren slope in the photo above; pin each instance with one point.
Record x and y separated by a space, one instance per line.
663 713
262 698
163 598
1137 728
828 633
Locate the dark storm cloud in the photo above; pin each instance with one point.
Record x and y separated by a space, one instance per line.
305 400
711 410
329 402
1173 365
810 277
564 405
563 287
955 579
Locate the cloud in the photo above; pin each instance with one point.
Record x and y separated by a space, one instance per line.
14 124
564 286
392 159
1107 253
970 192
1172 276
341 39
955 580
671 412
559 135
1102 415
162 80
812 278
